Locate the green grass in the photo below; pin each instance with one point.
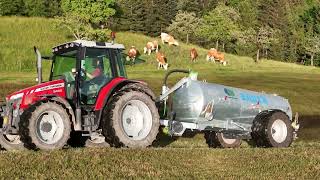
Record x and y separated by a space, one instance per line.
169 163
186 157
18 35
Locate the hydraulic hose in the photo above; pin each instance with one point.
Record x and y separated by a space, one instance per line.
174 71
165 85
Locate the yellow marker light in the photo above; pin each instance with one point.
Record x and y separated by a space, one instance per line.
5 120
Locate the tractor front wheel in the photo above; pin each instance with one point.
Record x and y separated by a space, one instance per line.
11 142
131 120
48 127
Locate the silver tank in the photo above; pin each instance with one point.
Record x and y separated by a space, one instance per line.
200 101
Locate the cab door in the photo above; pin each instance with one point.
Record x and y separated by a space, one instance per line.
96 71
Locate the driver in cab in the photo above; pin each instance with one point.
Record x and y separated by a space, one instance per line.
97 66
94 79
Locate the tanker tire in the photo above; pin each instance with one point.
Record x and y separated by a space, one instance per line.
272 130
113 125
31 134
9 145
217 140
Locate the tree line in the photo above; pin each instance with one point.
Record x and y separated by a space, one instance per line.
284 30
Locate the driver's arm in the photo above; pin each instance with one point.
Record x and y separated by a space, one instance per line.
97 72
90 76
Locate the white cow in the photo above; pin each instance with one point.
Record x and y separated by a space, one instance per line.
151 46
168 39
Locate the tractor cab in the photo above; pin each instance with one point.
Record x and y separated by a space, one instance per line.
86 66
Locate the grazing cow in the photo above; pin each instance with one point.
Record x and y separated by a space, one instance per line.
193 54
133 53
214 55
168 39
162 61
151 46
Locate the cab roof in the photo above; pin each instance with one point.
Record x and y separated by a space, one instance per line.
85 43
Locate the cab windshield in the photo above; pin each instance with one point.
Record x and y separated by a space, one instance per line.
63 64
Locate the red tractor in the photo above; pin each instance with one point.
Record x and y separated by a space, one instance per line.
87 92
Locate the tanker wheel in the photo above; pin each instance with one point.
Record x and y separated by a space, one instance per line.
272 130
218 140
47 128
131 120
11 142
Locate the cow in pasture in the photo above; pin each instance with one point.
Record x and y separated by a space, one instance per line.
133 53
151 46
213 55
193 54
168 39
162 60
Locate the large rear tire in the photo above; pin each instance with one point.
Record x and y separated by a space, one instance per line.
218 140
47 127
131 120
272 130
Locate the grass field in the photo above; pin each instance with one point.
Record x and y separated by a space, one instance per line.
187 157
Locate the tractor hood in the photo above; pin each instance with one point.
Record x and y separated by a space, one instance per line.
30 94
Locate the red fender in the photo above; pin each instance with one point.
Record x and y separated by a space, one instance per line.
106 91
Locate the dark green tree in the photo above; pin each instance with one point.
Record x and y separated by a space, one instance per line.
190 6
184 25
12 7
219 25
159 16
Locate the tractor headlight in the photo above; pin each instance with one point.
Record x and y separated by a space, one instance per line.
16 107
16 96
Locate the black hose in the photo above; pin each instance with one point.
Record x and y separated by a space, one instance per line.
174 71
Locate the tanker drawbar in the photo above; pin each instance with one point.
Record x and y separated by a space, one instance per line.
227 114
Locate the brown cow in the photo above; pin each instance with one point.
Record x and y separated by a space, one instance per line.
193 54
162 61
168 39
151 46
214 55
133 53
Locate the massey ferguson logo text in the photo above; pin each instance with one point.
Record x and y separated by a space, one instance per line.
54 86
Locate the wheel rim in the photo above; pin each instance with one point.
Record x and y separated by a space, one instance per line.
279 131
50 127
228 141
12 139
136 120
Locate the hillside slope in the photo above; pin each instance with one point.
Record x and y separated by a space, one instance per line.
186 157
18 35
300 84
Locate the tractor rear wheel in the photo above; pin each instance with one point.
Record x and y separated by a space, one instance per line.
47 127
272 130
218 140
131 120
11 142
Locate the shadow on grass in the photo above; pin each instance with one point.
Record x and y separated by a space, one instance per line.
309 127
164 140
309 121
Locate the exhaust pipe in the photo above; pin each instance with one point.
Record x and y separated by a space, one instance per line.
39 65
